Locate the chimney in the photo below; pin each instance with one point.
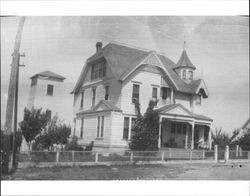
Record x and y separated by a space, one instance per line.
98 46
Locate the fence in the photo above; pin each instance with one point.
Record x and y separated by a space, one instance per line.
125 156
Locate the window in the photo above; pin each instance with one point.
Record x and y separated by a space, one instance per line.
198 100
125 128
82 99
164 92
154 93
184 74
48 113
100 127
132 127
93 96
190 75
82 123
106 92
98 71
50 90
135 94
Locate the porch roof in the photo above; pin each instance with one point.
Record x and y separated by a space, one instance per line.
179 110
102 106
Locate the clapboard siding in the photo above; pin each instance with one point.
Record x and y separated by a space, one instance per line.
146 81
117 130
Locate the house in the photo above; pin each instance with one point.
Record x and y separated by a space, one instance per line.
48 91
118 74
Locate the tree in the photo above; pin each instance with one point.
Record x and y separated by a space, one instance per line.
146 129
56 132
34 121
244 140
222 139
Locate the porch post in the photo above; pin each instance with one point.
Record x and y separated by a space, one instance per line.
171 96
159 135
192 139
186 138
210 138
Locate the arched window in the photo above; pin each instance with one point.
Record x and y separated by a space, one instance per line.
184 74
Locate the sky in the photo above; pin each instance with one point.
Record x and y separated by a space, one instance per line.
217 46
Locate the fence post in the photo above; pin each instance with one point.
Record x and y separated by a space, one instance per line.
216 153
203 154
96 157
240 151
227 154
162 156
237 150
170 153
57 156
73 156
191 154
131 157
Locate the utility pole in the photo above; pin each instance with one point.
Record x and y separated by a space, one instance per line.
12 104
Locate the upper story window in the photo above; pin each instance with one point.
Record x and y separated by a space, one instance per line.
93 96
191 75
198 100
184 74
50 89
106 92
164 93
82 99
154 93
98 71
135 93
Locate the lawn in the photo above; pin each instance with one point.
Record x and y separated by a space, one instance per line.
194 171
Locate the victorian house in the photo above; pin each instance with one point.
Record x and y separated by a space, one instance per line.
118 74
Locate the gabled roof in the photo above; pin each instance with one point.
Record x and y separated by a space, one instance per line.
184 61
168 108
49 74
246 124
122 59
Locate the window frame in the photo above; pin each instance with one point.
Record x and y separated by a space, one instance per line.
155 93
100 127
82 127
50 89
190 75
82 100
184 74
127 128
98 71
93 96
135 95
106 96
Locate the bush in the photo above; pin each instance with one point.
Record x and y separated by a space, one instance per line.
73 145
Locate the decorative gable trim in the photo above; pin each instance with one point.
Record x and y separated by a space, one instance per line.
153 59
203 86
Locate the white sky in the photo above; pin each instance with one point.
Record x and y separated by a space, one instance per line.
217 46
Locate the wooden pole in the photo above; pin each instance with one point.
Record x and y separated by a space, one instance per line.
12 100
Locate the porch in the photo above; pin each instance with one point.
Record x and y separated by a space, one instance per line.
176 133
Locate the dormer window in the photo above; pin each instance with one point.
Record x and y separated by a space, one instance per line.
98 71
184 74
190 75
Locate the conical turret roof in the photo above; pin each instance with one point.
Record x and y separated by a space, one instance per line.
184 61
